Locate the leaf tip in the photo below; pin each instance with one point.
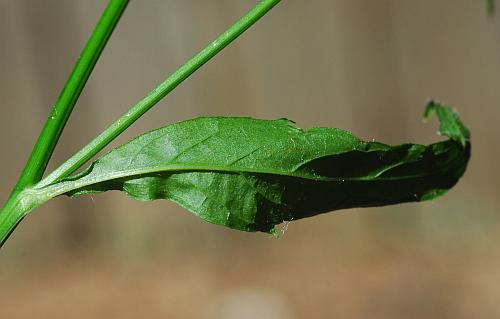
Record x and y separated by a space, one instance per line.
449 121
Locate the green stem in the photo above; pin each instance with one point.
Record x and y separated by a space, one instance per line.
128 118
16 208
49 136
11 214
18 204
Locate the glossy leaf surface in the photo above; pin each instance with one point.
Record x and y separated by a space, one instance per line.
251 174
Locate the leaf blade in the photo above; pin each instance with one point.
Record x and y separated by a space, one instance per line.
251 174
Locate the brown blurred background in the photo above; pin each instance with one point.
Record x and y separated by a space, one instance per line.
362 65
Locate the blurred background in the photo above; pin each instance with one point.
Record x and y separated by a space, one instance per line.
361 65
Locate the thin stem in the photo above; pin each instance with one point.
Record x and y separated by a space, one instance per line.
49 136
128 118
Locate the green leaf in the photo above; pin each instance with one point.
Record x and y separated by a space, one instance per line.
251 174
449 122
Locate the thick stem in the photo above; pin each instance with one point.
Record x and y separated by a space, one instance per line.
11 216
128 118
20 201
49 136
17 206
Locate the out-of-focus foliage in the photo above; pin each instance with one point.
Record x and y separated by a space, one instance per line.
491 6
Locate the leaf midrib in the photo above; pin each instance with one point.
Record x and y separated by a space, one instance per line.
63 187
